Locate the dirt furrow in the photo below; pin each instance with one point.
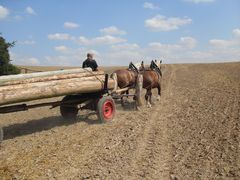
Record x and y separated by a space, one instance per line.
152 153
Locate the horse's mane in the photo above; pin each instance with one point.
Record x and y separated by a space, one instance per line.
154 66
135 67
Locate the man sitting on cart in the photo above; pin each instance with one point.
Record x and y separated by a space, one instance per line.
90 62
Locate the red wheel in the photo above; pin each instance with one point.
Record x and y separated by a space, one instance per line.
106 109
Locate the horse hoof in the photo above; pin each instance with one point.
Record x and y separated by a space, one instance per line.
149 105
138 108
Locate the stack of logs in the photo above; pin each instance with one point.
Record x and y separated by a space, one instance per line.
26 87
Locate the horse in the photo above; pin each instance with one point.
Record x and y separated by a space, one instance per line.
127 77
152 79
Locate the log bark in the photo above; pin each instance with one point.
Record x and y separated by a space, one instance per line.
19 77
50 78
4 89
40 90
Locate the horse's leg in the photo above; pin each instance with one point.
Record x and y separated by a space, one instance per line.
159 91
124 99
127 92
147 98
150 97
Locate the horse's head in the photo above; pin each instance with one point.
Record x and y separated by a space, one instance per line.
156 65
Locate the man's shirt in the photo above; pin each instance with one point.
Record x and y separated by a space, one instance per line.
90 63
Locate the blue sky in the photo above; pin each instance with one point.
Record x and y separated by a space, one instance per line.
117 32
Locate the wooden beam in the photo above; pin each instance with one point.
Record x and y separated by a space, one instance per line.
121 90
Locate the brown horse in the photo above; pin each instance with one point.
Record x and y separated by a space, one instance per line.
127 77
152 79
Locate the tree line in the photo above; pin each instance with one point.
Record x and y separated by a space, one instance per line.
6 68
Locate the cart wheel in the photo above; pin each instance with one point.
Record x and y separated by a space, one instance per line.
1 134
106 109
68 111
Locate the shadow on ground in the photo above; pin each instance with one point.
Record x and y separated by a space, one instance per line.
45 124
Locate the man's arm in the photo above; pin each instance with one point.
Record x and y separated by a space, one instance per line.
95 65
84 64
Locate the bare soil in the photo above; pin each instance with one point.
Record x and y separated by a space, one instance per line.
193 132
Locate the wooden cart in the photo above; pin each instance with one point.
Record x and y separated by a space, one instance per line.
100 100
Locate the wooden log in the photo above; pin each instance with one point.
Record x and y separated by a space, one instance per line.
51 78
4 79
17 87
49 89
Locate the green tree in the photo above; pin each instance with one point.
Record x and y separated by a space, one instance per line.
6 67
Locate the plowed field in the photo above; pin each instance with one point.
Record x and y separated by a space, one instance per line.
193 132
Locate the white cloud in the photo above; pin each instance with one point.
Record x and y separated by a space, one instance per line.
32 61
118 51
221 43
75 57
185 50
62 49
162 23
102 40
200 1
28 42
60 61
165 51
188 42
112 30
149 5
4 12
71 25
185 43
18 17
59 36
30 10
125 46
122 57
23 60
236 33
